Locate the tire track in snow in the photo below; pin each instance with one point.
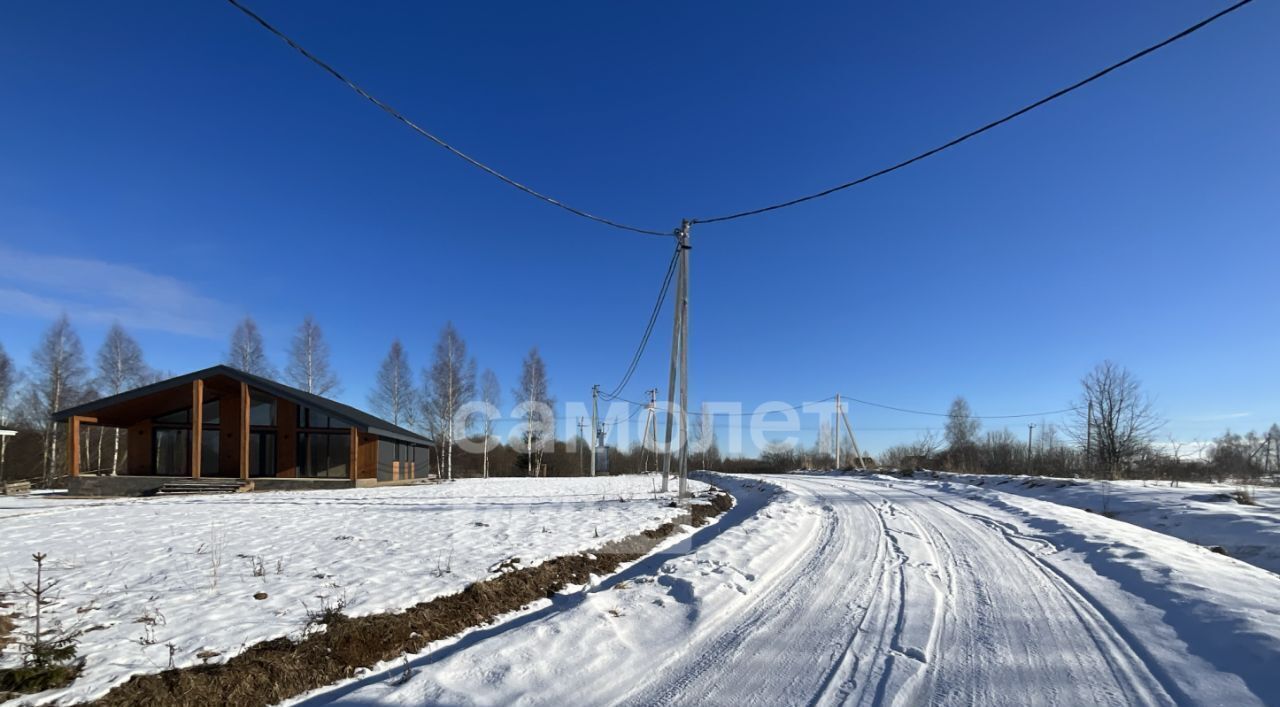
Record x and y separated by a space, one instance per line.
1138 667
862 592
776 601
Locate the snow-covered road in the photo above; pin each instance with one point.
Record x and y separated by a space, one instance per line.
877 591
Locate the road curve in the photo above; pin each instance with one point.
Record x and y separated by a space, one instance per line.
857 591
901 599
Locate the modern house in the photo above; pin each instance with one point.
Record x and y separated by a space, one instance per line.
223 423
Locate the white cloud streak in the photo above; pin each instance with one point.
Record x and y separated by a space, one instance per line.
97 291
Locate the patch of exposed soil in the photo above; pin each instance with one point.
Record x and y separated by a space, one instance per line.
271 671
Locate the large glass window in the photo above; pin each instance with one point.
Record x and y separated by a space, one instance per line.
172 451
211 414
262 454
323 455
262 411
386 455
176 418
209 441
312 418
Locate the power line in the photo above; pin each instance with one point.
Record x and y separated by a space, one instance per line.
741 214
1025 109
648 330
762 413
945 414
389 110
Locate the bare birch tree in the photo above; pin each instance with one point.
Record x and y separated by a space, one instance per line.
308 366
8 385
1116 420
540 423
57 382
962 426
707 448
247 352
448 384
120 368
491 394
393 392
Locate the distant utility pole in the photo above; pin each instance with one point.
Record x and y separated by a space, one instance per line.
839 413
853 441
1030 427
649 438
595 424
679 367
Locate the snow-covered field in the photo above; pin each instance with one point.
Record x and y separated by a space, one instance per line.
138 575
877 590
1204 514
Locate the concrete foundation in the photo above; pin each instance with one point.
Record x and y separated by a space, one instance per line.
100 486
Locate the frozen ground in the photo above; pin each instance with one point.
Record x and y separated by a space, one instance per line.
874 590
139 574
1204 514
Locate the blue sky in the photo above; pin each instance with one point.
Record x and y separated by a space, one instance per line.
173 166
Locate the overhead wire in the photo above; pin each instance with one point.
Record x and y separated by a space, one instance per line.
394 113
648 330
614 394
947 414
993 124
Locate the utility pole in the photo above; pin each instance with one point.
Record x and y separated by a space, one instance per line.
679 374
1030 427
595 425
839 414
853 441
649 438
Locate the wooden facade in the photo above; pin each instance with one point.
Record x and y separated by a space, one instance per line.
260 428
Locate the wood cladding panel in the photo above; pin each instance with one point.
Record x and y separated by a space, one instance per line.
138 449
286 439
367 458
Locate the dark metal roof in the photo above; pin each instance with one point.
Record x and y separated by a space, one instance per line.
359 418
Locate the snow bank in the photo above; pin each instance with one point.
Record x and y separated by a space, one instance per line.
597 644
1204 514
138 575
1185 600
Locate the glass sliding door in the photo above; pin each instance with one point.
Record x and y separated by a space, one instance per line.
171 449
324 455
210 441
262 454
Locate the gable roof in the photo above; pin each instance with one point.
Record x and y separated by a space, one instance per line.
359 418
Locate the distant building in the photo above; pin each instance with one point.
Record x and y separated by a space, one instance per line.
223 423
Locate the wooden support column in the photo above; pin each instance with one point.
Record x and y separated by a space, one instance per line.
73 442
73 446
244 431
197 426
353 467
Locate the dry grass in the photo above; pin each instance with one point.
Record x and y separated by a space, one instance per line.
269 672
1244 497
